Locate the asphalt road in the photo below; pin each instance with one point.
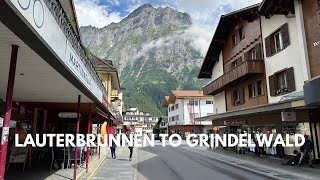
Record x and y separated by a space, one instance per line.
172 163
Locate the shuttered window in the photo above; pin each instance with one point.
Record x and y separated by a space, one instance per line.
234 40
260 88
241 33
278 40
282 82
236 62
237 97
252 90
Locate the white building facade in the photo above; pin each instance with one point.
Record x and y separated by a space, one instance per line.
184 107
286 62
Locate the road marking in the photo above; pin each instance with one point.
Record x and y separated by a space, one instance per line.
95 170
80 174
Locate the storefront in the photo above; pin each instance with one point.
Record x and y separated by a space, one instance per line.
44 71
291 117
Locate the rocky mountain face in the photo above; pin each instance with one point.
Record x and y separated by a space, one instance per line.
152 52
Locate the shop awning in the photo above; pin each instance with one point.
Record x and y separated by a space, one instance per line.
268 108
52 65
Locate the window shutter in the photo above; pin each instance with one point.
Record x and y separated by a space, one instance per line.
247 55
284 30
268 46
258 50
232 98
290 80
241 96
272 85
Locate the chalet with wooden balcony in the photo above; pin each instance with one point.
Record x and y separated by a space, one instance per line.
235 62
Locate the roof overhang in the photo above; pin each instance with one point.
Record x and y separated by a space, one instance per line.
218 40
272 7
268 108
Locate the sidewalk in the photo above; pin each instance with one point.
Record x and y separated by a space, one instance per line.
40 171
117 169
265 166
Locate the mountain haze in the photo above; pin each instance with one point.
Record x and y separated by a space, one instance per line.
153 53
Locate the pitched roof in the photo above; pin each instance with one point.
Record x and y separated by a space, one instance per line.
177 94
187 93
165 102
218 40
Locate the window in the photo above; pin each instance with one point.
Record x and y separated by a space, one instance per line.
253 54
236 63
193 103
195 115
241 33
177 106
238 97
278 44
209 102
260 88
282 82
234 40
252 90
277 41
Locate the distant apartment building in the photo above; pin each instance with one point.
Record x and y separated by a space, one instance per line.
183 107
135 117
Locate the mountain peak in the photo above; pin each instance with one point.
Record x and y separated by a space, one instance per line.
160 15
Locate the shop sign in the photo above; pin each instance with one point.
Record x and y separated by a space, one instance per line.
235 123
316 43
37 14
68 115
11 125
216 128
288 116
18 155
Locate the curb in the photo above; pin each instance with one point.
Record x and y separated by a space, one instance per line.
136 165
97 168
84 170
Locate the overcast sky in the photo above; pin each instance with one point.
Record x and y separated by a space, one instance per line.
204 13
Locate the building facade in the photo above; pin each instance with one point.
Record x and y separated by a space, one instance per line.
135 117
183 107
272 91
235 61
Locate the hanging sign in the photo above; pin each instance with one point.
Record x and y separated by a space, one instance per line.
288 116
68 115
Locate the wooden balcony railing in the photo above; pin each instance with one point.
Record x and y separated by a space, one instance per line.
244 69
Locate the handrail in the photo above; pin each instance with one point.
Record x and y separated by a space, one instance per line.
248 66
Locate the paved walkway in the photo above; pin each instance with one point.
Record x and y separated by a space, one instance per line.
266 166
40 171
118 169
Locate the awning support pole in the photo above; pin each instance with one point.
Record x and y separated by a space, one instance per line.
88 147
77 132
8 108
99 140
